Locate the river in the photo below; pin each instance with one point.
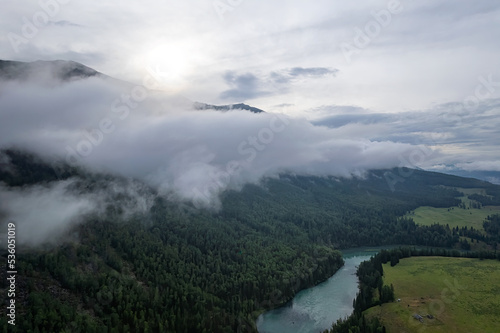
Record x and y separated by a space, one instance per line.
316 308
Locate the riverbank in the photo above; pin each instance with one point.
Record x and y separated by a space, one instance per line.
316 308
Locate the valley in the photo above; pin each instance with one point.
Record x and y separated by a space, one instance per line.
176 268
139 210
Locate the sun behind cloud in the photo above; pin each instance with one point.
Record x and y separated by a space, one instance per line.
170 64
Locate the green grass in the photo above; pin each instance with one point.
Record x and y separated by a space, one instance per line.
455 216
462 294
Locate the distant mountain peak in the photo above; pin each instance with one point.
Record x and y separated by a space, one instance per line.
62 70
238 106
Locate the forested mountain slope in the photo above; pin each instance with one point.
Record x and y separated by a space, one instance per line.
174 268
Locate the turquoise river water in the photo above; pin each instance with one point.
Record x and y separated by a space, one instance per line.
316 308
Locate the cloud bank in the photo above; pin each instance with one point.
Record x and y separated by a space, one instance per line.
160 144
190 154
44 213
467 137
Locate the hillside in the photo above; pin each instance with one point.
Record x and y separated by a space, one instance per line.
174 268
59 69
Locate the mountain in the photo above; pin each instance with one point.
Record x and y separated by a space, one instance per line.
44 72
58 69
238 106
490 176
174 268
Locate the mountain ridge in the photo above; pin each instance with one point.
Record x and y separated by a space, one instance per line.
229 107
67 70
63 70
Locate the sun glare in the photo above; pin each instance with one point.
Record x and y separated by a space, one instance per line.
169 65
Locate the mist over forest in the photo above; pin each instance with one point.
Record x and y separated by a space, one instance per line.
190 166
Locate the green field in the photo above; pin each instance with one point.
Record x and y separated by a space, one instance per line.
455 216
463 295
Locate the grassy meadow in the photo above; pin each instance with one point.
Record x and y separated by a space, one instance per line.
455 216
462 295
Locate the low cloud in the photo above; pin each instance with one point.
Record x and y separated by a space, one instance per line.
43 213
184 153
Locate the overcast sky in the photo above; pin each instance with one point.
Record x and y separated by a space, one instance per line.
284 56
425 71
